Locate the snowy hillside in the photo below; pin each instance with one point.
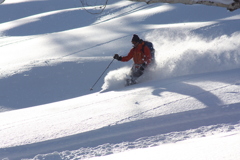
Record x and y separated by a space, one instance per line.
53 51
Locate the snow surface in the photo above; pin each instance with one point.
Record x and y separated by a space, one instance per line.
190 149
52 52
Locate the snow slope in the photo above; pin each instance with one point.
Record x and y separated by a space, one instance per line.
52 52
189 149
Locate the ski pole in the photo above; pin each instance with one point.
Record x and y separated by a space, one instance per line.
101 75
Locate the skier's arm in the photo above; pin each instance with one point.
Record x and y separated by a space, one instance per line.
128 57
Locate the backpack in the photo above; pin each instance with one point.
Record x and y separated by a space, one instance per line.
150 46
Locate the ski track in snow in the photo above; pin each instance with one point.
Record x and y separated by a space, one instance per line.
143 142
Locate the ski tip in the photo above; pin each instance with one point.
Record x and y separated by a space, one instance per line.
91 89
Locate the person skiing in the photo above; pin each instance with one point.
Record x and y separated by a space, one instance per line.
141 56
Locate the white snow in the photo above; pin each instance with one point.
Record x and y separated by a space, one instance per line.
52 52
226 144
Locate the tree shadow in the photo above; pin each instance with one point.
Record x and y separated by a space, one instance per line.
222 27
203 96
71 19
14 11
47 84
55 22
182 86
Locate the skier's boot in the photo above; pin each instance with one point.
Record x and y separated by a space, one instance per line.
130 81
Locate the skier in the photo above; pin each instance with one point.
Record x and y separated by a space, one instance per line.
142 58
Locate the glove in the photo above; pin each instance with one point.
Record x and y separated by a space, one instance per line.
117 57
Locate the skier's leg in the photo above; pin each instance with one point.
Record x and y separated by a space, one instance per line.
136 71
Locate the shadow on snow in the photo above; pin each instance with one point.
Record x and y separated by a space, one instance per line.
42 85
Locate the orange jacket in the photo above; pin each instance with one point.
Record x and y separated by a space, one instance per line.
139 56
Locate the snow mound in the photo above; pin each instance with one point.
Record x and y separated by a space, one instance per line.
115 79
